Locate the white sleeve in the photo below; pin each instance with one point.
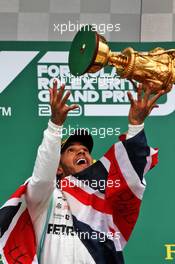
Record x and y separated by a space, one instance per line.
43 180
133 130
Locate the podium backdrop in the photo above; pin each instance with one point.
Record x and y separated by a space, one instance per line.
27 69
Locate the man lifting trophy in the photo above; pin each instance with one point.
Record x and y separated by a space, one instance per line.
96 220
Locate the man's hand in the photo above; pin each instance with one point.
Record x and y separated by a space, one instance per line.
143 106
59 108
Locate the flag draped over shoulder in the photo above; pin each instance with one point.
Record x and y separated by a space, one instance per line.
17 239
104 199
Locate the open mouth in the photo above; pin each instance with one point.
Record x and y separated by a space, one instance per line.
81 161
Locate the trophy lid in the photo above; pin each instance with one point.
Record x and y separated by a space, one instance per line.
83 50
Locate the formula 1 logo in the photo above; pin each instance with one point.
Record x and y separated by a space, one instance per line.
12 63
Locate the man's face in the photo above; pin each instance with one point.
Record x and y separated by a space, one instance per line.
74 159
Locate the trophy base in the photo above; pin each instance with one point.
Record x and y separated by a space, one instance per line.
83 51
89 52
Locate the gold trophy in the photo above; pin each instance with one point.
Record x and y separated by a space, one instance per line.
90 52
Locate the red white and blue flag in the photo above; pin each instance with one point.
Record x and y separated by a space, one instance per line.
108 203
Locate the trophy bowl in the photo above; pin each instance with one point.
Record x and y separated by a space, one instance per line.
90 52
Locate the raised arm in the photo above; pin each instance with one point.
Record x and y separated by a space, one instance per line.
43 179
130 160
142 107
136 147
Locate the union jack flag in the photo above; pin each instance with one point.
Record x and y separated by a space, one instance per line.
113 209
